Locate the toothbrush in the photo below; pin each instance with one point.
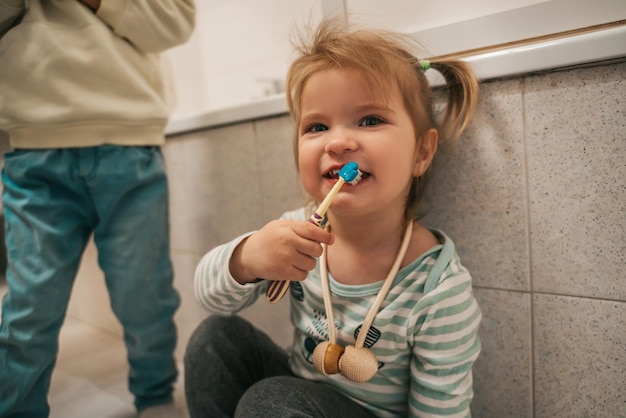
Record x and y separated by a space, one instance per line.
349 173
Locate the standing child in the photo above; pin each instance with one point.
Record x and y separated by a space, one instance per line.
83 102
354 96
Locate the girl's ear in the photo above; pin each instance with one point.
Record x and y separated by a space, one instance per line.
426 152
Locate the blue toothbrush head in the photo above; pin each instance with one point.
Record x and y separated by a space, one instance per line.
351 173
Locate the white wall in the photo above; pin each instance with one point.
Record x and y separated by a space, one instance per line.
238 53
240 49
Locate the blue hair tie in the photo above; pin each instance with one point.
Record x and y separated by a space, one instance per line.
425 65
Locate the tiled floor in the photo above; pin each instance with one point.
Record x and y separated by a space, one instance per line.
90 379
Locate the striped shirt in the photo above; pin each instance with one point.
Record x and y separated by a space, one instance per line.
425 342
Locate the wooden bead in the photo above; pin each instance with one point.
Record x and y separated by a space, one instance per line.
358 364
326 358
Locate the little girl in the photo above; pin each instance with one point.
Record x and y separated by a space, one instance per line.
384 315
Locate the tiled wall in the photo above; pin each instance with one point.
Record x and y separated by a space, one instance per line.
533 195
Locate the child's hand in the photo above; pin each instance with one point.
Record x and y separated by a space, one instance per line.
281 250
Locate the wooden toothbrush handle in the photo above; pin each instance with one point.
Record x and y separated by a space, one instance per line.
277 289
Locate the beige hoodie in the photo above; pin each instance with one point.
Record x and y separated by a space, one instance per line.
72 78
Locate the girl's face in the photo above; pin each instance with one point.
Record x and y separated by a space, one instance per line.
343 121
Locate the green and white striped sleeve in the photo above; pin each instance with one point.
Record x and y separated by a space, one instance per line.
215 287
446 346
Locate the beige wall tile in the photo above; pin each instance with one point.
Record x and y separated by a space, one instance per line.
579 357
576 127
278 176
478 193
216 193
503 373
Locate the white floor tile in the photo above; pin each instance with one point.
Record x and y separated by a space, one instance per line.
75 397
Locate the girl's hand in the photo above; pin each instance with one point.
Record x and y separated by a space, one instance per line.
281 250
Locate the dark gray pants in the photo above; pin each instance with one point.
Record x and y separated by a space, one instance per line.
233 369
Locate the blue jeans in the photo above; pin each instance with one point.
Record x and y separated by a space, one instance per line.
53 201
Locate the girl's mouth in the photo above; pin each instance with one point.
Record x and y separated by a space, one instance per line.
334 174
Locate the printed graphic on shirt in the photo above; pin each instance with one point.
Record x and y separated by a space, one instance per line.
317 329
307 349
372 336
318 332
296 291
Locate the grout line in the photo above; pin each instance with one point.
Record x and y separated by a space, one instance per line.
529 248
543 293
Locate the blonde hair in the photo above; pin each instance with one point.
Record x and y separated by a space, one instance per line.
385 60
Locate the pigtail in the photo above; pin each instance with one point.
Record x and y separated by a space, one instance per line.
461 90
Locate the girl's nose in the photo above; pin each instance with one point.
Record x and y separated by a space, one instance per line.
341 141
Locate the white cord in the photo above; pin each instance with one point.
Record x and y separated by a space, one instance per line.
382 293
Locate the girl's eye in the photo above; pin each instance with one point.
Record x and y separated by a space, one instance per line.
371 121
316 127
